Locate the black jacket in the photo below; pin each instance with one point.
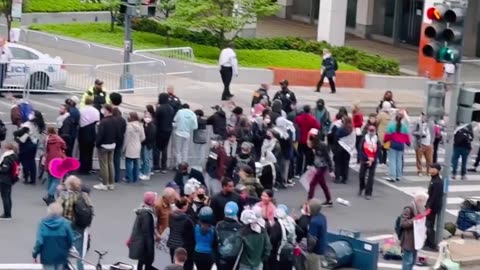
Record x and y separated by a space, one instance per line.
218 121
287 98
259 95
175 102
435 194
164 115
219 201
179 178
108 131
69 130
150 135
7 168
122 127
142 240
181 231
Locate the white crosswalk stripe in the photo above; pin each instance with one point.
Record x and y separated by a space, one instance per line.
412 183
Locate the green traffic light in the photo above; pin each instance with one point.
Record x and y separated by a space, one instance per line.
448 55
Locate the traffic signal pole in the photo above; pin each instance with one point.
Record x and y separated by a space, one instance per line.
126 80
454 87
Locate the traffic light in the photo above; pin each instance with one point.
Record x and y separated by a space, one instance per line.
148 8
445 33
468 105
435 100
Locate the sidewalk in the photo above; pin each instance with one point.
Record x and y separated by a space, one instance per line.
203 95
466 251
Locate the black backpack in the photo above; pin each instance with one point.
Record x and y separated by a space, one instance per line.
82 213
461 138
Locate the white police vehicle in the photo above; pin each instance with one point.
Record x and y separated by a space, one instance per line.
32 69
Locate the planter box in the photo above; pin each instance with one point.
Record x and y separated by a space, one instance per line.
307 77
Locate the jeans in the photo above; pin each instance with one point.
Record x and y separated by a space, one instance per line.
131 170
368 186
105 158
117 156
6 194
181 148
409 259
52 183
147 159
28 151
285 168
395 163
457 153
78 238
319 179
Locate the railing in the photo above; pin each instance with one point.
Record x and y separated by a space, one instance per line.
178 53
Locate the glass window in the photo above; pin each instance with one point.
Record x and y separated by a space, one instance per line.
23 54
352 13
384 12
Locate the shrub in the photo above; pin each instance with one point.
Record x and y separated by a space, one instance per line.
61 6
364 61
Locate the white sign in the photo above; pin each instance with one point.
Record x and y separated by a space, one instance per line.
17 9
419 232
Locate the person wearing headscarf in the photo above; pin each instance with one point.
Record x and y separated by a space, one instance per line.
255 240
287 224
142 240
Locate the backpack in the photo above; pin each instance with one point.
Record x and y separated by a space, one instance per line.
82 213
15 172
3 131
335 64
25 110
461 138
200 136
229 244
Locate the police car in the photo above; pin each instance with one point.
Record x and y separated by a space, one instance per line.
32 69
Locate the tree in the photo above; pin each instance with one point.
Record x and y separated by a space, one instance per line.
167 7
221 17
6 9
113 6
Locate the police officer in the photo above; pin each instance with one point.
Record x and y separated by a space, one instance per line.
98 95
286 96
5 57
261 94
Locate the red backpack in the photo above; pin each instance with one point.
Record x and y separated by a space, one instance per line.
15 172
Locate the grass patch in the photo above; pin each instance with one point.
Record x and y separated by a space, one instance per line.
61 6
100 33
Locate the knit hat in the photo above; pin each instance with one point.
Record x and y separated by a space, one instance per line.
149 198
231 209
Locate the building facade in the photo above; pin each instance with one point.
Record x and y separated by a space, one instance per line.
392 21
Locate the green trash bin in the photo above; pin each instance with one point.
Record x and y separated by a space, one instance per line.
338 254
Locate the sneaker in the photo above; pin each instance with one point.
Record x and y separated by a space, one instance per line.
368 198
144 177
163 171
290 183
464 177
100 187
111 187
152 173
327 204
391 180
3 217
453 177
474 169
297 177
420 174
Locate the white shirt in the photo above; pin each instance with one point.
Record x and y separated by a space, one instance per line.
5 55
88 115
228 58
426 133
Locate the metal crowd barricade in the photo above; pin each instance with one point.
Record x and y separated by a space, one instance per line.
16 77
170 55
145 76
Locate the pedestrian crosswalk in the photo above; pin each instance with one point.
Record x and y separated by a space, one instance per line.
412 183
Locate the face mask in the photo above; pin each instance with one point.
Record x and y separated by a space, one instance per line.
201 197
31 116
267 121
147 120
268 137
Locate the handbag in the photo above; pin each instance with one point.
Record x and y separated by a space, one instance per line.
387 145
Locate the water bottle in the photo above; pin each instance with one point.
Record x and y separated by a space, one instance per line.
343 202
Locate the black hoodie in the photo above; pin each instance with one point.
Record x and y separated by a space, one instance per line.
164 114
219 123
181 231
7 167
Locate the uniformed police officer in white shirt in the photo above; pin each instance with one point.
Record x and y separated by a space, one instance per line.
228 68
5 57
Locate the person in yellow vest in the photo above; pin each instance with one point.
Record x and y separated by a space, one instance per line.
98 94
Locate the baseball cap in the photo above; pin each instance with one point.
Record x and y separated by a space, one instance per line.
98 82
231 209
283 82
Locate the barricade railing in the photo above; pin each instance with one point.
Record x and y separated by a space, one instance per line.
15 77
177 53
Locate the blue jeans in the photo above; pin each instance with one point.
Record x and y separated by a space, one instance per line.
147 160
457 153
131 170
395 163
78 237
53 267
409 259
117 156
52 183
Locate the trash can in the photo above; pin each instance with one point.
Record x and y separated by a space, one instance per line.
338 254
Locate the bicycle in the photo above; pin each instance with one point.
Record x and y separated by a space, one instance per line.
74 254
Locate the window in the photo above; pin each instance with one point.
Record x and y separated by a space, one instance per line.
23 54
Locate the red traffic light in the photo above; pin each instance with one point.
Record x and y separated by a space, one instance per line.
434 14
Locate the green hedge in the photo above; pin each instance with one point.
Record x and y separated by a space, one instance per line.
100 33
360 59
60 6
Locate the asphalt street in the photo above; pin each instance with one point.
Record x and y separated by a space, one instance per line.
114 210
